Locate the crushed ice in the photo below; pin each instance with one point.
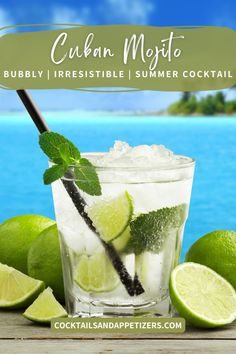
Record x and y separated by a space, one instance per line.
123 155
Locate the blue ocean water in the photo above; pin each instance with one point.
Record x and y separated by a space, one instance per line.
211 141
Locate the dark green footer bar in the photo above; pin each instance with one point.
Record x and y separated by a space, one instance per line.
118 325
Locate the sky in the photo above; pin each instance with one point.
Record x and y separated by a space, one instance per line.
95 12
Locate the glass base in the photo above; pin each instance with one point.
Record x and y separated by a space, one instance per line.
149 309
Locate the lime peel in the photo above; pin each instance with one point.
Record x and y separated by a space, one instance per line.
202 296
44 261
16 237
215 246
96 273
111 216
45 308
120 243
17 289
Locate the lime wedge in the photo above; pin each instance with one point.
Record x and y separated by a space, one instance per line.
17 290
45 308
202 296
111 216
122 241
96 273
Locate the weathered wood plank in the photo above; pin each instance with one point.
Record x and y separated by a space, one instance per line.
15 326
117 346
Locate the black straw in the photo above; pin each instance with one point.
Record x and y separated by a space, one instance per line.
133 287
33 111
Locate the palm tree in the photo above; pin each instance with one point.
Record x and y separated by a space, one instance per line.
185 96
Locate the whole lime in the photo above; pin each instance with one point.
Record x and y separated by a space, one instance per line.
44 261
217 250
16 237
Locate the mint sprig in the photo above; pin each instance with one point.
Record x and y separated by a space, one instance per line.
63 153
54 146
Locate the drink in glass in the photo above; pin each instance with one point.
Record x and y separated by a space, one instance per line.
118 254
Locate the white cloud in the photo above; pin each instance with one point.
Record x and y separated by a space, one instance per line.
68 100
128 11
5 20
68 15
106 12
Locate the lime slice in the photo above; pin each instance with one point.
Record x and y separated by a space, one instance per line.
96 273
202 296
17 290
122 241
111 216
45 308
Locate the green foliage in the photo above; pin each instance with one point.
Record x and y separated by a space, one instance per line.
184 106
185 96
149 231
65 154
207 105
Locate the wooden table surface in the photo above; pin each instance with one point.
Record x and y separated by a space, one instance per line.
20 336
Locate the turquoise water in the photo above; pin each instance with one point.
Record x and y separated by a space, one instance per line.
211 141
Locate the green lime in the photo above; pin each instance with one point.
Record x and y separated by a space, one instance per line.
17 290
44 261
112 216
45 308
121 242
202 296
16 237
216 250
96 273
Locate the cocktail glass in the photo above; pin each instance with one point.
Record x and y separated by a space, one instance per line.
121 267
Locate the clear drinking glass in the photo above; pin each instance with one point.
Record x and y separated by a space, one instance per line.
130 274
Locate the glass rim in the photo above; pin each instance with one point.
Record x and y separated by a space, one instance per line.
186 162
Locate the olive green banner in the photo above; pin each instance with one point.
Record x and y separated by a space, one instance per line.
119 325
119 56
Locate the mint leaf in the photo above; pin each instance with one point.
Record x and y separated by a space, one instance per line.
64 153
149 231
53 173
50 143
87 178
